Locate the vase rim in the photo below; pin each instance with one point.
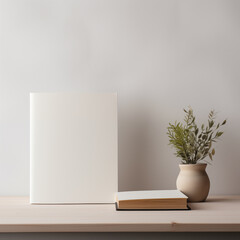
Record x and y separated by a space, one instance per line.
192 164
197 166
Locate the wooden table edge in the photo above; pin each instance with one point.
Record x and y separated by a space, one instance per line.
120 227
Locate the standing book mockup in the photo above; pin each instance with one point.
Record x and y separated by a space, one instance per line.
73 148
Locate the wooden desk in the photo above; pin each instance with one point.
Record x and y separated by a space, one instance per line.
220 213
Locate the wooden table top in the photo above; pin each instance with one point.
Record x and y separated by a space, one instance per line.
219 213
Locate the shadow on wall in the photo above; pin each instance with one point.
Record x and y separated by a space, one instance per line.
137 153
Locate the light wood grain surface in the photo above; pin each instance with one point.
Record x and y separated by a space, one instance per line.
220 213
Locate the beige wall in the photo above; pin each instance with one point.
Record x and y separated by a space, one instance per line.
160 56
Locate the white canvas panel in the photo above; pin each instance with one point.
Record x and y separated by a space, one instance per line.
73 148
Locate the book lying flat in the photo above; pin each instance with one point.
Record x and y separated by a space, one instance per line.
156 199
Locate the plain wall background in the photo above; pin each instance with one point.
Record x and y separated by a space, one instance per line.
159 55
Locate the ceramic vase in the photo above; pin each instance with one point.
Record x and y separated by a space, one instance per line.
193 181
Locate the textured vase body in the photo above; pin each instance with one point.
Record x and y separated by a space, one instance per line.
193 181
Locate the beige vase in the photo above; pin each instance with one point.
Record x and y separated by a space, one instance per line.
193 181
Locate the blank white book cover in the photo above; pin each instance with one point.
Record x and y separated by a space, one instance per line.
73 148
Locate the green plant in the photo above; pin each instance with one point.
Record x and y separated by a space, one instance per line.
192 143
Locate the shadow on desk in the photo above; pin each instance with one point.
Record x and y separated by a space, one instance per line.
221 200
117 236
212 200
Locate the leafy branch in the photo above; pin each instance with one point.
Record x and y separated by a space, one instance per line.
192 143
